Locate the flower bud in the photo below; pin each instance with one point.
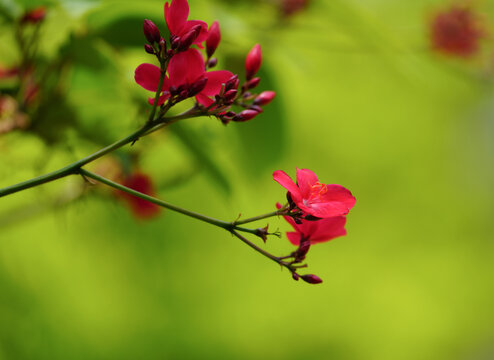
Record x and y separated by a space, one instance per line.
212 62
311 279
188 39
245 115
253 62
264 98
295 276
232 83
230 95
149 49
198 86
34 16
175 41
151 32
213 39
256 108
253 83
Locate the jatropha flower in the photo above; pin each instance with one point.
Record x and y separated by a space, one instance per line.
314 198
141 209
186 69
456 31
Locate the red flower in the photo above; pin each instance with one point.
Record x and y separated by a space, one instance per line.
314 198
186 75
141 209
176 15
456 31
253 61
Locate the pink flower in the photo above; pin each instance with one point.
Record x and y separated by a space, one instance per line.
456 31
186 77
34 16
314 198
176 15
253 61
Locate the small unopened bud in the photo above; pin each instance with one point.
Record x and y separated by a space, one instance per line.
151 32
188 39
302 250
264 98
256 108
149 49
295 276
34 16
198 86
213 39
175 42
184 94
253 62
253 83
245 115
311 279
212 62
230 114
232 83
230 95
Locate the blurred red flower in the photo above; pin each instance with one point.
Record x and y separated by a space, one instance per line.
141 209
456 31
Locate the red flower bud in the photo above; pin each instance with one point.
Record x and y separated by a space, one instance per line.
151 31
230 95
198 86
245 115
214 38
212 62
256 108
34 16
253 83
188 39
232 83
264 98
253 62
149 49
311 279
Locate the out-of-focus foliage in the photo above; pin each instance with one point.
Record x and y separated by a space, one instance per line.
361 100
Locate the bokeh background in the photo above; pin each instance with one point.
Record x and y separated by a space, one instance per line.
362 101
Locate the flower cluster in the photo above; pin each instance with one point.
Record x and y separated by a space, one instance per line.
317 212
456 31
184 69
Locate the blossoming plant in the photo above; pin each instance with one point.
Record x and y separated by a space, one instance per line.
181 70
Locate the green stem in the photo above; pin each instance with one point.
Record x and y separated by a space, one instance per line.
222 224
260 217
164 66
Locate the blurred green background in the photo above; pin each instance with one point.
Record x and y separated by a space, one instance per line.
361 101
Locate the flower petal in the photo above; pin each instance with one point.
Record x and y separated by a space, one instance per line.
293 237
186 67
148 76
215 79
336 201
204 100
305 179
176 15
328 229
161 99
284 180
